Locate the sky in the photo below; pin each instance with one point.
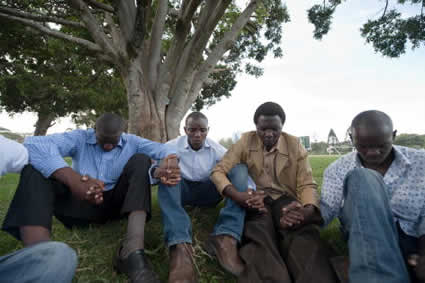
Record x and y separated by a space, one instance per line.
320 84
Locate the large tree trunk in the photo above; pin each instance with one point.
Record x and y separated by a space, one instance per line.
44 122
144 119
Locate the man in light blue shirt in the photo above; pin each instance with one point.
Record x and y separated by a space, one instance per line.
378 193
198 155
108 179
46 262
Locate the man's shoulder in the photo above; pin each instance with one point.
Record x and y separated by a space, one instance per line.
410 152
342 164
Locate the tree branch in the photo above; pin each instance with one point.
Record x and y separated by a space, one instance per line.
86 43
155 44
385 9
95 28
217 53
40 18
102 6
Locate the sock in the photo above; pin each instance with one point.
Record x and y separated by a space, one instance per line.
135 238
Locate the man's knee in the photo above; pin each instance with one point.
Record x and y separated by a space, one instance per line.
364 184
56 253
239 177
138 160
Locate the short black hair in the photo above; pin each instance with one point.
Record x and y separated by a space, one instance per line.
196 115
372 119
269 109
110 123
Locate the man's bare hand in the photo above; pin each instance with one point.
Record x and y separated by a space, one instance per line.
256 201
249 199
94 194
292 215
168 171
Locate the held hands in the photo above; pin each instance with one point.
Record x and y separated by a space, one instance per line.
168 171
295 215
251 200
94 194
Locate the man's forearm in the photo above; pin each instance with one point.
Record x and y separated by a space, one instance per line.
66 176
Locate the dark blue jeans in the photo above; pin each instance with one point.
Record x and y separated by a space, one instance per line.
373 238
176 222
47 262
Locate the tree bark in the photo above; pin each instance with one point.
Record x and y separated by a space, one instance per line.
144 119
44 122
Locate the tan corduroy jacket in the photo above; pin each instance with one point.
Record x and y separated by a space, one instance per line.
292 168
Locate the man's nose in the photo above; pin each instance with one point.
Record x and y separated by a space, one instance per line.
268 133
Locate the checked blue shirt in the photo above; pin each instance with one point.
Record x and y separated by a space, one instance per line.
46 154
405 182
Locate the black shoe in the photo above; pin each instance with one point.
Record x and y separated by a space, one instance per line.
137 267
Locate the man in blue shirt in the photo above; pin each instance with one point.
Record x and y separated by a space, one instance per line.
108 179
378 194
198 155
47 262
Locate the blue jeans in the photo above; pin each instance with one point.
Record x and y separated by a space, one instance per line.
373 240
176 222
46 262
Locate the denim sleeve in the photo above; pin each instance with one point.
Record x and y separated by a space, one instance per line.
46 152
331 195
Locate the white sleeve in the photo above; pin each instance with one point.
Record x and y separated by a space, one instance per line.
13 156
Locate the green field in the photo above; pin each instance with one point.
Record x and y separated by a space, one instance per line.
97 244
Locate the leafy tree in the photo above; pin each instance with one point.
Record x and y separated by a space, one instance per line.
226 142
52 79
389 33
168 53
410 140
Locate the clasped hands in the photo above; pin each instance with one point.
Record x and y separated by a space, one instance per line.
250 200
295 215
168 171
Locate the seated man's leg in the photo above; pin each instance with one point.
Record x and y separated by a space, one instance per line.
177 229
30 213
47 262
302 250
132 196
259 251
229 227
373 242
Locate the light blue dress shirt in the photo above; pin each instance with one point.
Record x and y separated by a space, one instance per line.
405 181
196 165
88 158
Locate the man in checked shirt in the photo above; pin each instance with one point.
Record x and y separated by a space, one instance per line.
378 194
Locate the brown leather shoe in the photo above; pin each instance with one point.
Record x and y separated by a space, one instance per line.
181 264
224 247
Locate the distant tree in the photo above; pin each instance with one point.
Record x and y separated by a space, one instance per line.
410 140
389 33
52 79
168 53
226 142
318 148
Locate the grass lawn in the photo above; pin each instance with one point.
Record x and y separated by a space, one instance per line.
97 244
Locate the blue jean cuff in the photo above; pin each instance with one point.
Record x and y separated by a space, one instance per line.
234 235
176 242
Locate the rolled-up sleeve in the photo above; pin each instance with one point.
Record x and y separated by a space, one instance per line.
232 157
46 152
306 186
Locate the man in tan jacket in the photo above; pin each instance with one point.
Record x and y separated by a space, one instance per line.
281 241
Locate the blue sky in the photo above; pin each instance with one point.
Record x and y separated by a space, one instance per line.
320 84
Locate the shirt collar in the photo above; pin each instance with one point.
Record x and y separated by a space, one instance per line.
399 158
91 138
187 146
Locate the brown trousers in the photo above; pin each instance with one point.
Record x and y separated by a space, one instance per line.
275 255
